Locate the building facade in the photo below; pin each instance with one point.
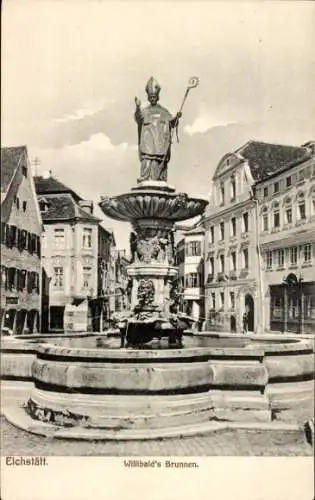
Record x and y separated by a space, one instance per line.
234 281
287 239
21 228
122 282
103 306
190 262
75 250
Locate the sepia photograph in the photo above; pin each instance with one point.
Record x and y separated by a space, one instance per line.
157 232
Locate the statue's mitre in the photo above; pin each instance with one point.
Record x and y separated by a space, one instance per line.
152 87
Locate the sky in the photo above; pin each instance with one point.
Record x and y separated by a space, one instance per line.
71 70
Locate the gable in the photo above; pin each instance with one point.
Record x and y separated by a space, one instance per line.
227 163
24 211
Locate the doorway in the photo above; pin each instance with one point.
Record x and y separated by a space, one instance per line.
233 324
56 318
250 309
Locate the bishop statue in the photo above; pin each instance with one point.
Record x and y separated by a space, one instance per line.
155 125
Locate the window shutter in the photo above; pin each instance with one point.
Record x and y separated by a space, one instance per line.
3 232
29 242
14 234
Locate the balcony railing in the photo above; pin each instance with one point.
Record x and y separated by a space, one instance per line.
233 275
244 273
222 276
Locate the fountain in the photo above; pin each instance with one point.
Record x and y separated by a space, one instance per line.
153 207
152 384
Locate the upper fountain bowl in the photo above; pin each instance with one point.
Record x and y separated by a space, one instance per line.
152 202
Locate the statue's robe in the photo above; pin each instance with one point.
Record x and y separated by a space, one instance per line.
154 139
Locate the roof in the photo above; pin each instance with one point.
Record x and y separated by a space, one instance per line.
195 230
267 159
10 159
63 207
50 185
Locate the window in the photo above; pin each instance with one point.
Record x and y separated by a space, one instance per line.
288 215
265 222
59 238
301 175
245 222
58 277
24 206
222 299
17 202
276 307
309 306
307 253
276 216
266 192
245 258
222 194
211 265
12 278
87 277
87 238
222 263
269 260
24 171
301 207
293 255
233 261
213 300
221 230
233 189
233 226
192 280
232 300
193 248
293 311
212 234
276 187
288 181
280 258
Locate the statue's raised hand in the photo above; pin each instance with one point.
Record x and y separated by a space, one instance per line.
138 102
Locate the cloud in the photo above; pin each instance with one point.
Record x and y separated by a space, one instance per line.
205 122
88 109
97 142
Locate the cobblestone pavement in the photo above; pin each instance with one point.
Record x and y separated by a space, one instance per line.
234 442
226 443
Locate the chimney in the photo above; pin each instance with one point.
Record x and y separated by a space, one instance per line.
87 205
47 174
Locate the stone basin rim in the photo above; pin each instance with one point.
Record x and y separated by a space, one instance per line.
249 351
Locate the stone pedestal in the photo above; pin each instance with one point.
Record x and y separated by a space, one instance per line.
161 277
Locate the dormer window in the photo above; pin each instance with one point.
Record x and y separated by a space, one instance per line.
43 205
24 170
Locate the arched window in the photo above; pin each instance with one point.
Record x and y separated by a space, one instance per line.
233 188
276 215
288 210
265 219
301 207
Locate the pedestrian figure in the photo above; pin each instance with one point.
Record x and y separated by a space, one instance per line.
245 322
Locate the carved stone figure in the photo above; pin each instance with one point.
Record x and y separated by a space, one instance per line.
146 293
154 134
133 246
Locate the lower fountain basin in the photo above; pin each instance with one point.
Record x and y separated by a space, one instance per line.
90 383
